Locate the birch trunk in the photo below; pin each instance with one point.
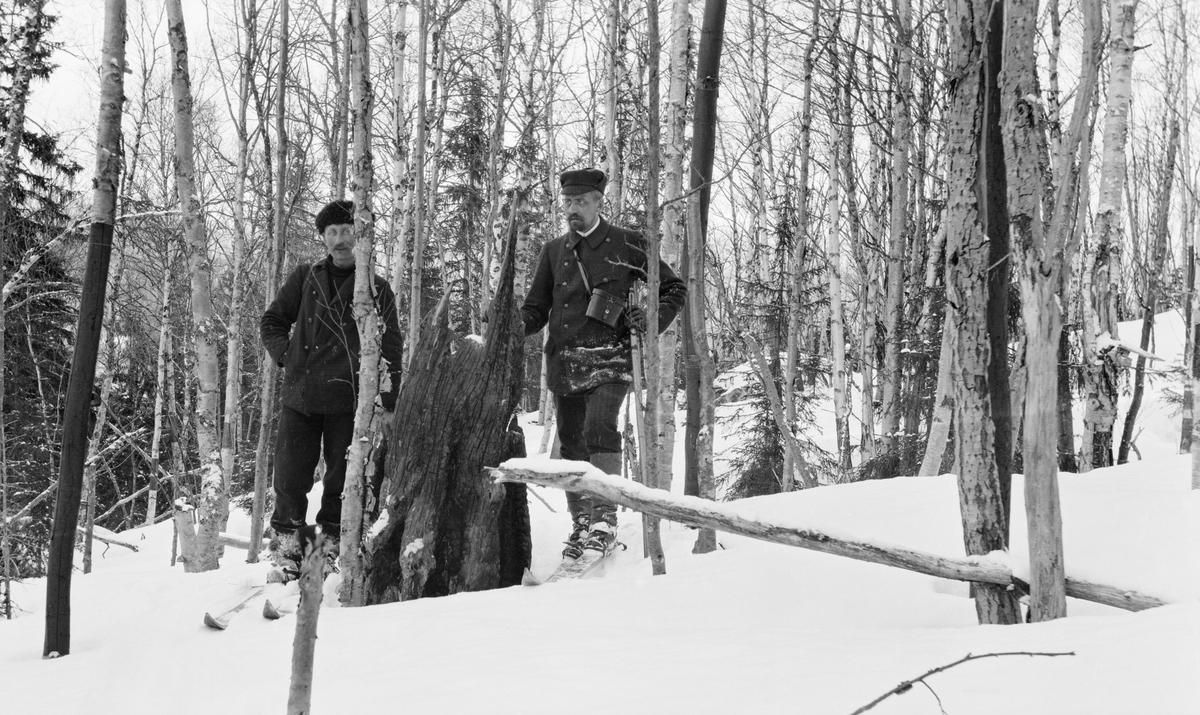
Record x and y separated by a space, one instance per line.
270 369
800 243
304 643
398 229
1042 254
495 227
1099 375
837 326
87 335
898 233
160 383
653 454
943 406
341 73
442 96
231 426
842 160
672 220
416 282
366 415
205 325
612 162
546 404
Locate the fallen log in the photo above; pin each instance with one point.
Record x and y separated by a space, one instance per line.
694 511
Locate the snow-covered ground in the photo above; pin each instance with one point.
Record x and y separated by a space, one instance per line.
753 628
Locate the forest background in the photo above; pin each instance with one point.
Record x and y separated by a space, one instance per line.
840 258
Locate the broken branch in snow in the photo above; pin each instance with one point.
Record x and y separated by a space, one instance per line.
582 477
907 685
99 533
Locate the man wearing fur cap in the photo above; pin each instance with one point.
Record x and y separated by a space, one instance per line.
310 331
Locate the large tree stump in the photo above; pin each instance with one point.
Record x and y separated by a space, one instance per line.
446 527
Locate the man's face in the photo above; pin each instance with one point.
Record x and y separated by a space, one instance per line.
582 210
339 239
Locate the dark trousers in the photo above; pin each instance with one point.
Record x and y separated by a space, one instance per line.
298 447
588 432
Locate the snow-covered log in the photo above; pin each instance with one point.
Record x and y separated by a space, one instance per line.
694 511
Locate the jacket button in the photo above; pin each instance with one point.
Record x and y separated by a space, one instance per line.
607 240
566 305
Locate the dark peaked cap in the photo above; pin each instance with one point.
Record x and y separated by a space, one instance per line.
581 181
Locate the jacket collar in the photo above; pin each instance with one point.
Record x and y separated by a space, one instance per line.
593 239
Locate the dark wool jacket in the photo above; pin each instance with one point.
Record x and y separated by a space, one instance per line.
583 353
312 335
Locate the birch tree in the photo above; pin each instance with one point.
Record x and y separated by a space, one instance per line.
213 497
898 229
800 242
672 224
653 453
367 412
1100 369
1042 253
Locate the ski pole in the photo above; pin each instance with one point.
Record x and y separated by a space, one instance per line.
640 424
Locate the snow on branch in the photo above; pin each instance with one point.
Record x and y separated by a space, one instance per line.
1106 342
583 477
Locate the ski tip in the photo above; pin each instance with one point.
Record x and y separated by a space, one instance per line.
213 622
528 579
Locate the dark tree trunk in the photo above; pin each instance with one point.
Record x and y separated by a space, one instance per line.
1067 462
449 527
994 212
700 364
87 336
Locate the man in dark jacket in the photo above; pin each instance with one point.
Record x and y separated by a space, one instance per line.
309 330
588 353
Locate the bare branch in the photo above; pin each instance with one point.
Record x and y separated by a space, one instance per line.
907 685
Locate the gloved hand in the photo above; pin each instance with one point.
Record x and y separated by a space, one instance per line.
635 317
